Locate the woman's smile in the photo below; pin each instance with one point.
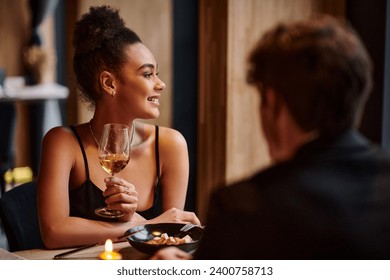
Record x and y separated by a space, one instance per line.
154 99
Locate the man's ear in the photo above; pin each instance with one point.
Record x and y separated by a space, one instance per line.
273 101
107 82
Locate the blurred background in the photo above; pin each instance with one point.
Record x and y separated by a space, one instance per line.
201 47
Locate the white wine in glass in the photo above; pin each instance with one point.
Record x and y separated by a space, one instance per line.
114 155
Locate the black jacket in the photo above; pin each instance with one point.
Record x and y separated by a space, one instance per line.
332 201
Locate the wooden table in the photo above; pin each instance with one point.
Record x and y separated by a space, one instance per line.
6 255
128 253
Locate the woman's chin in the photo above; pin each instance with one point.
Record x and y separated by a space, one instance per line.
152 115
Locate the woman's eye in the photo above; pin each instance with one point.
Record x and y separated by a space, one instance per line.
148 75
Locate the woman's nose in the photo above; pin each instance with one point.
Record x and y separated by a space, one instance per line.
160 85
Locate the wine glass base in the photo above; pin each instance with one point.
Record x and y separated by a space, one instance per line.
109 213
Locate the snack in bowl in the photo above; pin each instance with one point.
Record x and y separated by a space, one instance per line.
165 239
151 237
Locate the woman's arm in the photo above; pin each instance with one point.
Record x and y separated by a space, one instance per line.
58 229
174 178
174 164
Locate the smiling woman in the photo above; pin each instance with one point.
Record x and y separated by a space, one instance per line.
117 76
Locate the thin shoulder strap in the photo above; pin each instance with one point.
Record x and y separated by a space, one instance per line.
157 155
82 150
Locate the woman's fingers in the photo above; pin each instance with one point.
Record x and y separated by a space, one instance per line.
128 197
189 217
120 195
126 203
116 186
179 216
194 219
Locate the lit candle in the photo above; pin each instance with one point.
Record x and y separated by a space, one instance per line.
108 253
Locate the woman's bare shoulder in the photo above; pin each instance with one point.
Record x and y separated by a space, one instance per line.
59 135
167 136
59 132
171 136
59 145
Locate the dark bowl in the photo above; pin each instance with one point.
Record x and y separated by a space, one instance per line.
149 231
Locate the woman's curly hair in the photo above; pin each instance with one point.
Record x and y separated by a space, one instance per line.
99 40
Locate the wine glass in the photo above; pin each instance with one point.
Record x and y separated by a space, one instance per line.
114 154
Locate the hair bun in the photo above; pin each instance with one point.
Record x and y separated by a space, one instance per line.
99 25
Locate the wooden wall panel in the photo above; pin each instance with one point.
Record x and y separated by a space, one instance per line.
212 100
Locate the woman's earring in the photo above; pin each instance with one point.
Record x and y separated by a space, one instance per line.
112 93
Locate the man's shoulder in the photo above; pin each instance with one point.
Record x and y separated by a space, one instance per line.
253 189
262 178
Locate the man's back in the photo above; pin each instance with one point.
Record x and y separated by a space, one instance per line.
329 202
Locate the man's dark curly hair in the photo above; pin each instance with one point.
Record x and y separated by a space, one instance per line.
320 67
99 41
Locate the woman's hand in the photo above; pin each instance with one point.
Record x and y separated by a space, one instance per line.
175 215
121 195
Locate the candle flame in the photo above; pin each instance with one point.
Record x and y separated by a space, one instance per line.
108 246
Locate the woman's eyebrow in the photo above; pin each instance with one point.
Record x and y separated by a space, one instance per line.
146 65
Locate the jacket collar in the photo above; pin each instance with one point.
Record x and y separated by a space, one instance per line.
350 138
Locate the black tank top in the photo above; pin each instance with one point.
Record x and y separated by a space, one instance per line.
85 199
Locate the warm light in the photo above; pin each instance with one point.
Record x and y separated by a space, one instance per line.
108 246
108 253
